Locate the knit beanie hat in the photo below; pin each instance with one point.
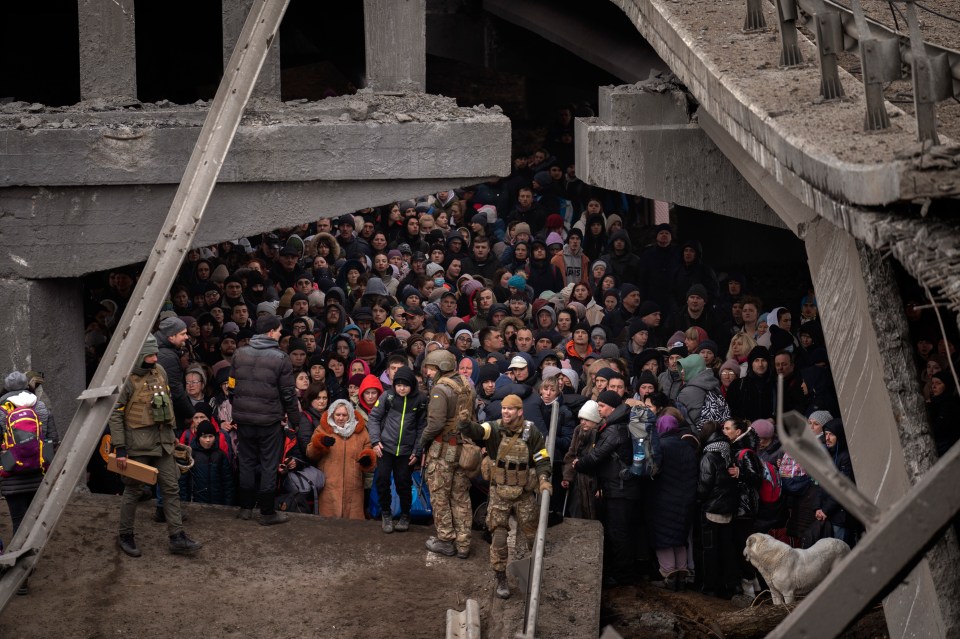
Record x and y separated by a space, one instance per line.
366 348
511 401
171 326
699 290
646 377
611 399
205 428
382 333
488 373
731 365
821 416
764 428
590 412
16 381
518 282
297 344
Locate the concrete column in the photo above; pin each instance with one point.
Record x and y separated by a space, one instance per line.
395 33
234 14
41 328
108 60
889 442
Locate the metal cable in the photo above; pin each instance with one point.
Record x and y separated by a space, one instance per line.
936 13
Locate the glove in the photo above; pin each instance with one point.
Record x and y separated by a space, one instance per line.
365 461
464 425
328 441
120 451
545 485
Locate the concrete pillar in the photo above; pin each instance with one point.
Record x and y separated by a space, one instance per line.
41 328
889 442
395 36
234 14
108 60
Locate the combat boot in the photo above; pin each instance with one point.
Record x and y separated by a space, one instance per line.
403 524
503 588
159 516
387 522
128 545
180 544
441 547
463 553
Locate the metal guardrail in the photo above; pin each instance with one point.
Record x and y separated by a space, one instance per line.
161 268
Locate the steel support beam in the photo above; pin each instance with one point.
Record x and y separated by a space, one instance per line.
161 269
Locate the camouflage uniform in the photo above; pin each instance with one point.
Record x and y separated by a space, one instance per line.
518 464
449 485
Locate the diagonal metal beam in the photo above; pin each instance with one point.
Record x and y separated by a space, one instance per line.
161 268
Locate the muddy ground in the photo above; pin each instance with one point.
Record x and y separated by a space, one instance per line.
311 577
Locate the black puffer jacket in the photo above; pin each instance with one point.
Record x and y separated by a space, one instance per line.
751 397
751 474
265 388
169 358
673 493
610 456
716 489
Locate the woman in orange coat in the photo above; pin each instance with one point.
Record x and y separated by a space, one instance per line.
340 447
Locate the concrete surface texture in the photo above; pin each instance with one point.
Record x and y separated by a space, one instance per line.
776 114
645 142
360 137
311 577
395 39
234 14
873 423
108 60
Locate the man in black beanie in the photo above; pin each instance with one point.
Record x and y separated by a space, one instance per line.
263 394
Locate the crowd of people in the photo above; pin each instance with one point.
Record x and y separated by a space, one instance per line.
538 297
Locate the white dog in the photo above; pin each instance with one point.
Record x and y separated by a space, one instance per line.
791 572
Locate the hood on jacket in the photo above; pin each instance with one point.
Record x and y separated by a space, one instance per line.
835 426
262 341
369 381
621 235
328 240
759 352
696 246
691 366
375 286
520 390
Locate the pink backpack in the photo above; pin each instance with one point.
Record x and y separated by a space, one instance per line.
21 451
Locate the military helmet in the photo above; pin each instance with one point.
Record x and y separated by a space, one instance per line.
442 359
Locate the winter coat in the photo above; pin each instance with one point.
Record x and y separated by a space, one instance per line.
686 276
342 494
581 502
694 391
716 489
565 425
626 266
264 389
542 276
656 266
944 413
150 441
610 456
751 473
531 403
397 422
840 455
672 495
751 397
670 384
574 266
29 483
169 358
210 481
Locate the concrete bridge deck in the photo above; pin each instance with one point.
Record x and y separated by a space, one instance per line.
312 577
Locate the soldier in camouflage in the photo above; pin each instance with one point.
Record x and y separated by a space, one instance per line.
449 484
518 468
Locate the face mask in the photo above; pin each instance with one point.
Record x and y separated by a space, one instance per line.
438 281
148 365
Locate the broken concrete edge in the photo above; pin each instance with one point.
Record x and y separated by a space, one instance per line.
774 138
359 107
91 229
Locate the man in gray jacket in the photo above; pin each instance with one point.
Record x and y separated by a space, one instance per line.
263 393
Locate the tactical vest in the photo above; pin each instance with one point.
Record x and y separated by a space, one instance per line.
149 402
447 443
512 466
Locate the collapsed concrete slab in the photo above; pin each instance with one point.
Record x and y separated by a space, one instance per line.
361 137
645 142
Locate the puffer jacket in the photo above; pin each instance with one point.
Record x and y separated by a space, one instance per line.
210 481
265 389
397 422
610 456
751 473
672 499
716 489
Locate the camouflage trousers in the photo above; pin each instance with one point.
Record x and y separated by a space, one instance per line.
505 500
450 499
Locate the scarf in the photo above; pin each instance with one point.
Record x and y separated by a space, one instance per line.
723 449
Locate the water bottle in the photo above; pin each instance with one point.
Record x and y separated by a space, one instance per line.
638 456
